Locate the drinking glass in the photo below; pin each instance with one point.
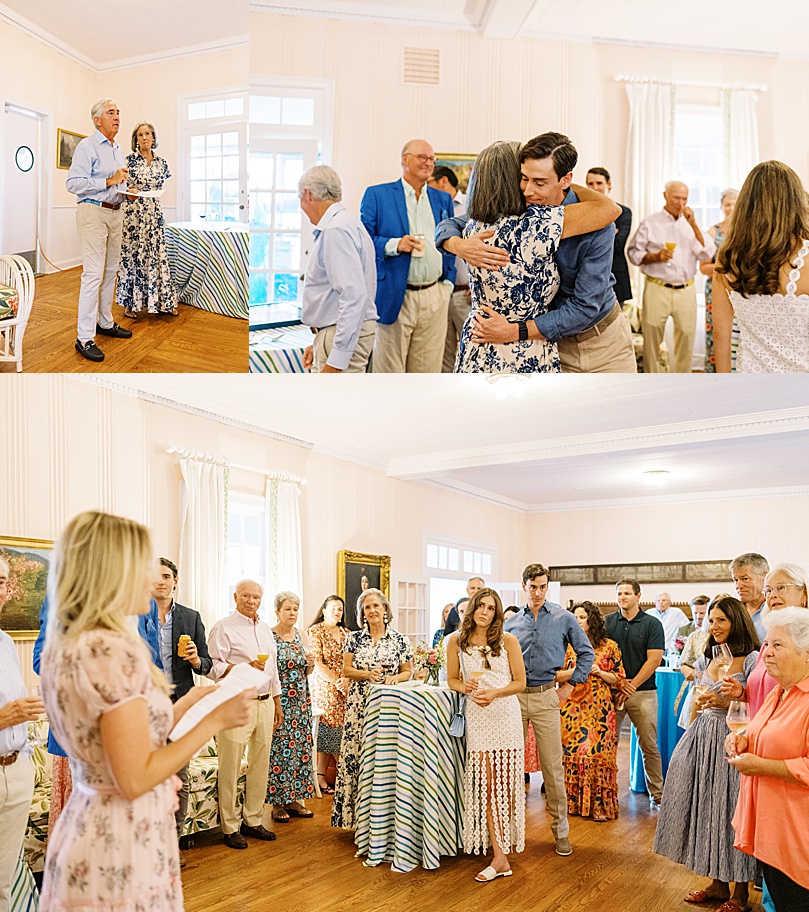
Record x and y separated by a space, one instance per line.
699 691
723 657
38 731
738 716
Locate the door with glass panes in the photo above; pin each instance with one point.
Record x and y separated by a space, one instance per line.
218 173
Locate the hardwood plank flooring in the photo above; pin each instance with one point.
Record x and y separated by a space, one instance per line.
312 868
195 341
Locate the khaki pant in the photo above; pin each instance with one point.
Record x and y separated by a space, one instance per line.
16 790
100 239
460 303
542 711
641 708
414 344
256 736
609 352
358 364
659 304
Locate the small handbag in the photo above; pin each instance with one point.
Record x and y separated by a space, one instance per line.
457 725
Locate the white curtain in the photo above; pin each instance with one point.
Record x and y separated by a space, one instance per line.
740 125
285 559
650 145
203 538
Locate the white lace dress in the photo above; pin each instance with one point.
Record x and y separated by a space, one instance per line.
494 760
774 328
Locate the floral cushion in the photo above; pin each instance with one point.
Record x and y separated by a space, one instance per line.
9 302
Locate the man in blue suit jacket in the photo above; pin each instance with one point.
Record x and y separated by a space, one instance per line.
414 280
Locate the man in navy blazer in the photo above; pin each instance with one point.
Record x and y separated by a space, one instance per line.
414 280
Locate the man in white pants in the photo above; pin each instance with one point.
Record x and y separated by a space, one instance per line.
98 167
17 709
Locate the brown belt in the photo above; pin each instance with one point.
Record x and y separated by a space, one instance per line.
541 688
461 288
114 206
8 759
422 287
668 284
598 329
263 697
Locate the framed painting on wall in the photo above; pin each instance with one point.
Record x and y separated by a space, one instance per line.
461 163
28 560
357 572
66 143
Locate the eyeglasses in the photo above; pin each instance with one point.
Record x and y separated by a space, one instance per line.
779 590
422 158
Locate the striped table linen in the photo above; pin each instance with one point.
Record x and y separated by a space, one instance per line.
24 894
410 792
209 265
279 351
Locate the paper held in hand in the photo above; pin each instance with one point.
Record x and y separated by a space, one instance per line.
240 678
122 188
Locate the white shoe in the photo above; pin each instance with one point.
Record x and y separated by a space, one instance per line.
489 873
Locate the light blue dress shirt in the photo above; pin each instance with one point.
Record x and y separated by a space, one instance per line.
164 636
96 159
340 282
544 642
14 738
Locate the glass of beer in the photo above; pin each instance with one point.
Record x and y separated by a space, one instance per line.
670 245
182 644
263 656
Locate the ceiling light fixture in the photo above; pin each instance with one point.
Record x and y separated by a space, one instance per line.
656 478
507 386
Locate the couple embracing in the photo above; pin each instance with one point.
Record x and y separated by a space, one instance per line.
540 255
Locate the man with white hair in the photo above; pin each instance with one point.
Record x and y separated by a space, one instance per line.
669 246
99 166
340 282
239 638
671 618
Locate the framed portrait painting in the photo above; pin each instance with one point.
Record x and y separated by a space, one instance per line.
66 143
28 561
461 163
357 572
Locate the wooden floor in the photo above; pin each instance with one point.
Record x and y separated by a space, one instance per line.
312 868
194 341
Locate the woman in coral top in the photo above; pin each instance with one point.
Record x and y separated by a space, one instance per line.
773 758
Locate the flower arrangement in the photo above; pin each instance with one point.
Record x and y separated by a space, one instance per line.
430 659
679 645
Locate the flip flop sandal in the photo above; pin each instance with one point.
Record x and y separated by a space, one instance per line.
488 874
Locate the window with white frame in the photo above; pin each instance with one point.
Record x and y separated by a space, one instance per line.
456 559
248 545
290 125
699 157
214 140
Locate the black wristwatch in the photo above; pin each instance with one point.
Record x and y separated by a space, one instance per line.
523 330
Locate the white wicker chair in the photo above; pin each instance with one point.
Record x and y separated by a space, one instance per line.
16 272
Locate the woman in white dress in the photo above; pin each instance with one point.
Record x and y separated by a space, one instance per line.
486 663
759 279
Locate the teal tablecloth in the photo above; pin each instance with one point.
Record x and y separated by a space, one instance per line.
208 265
668 681
410 799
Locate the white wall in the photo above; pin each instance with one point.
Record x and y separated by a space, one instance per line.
495 89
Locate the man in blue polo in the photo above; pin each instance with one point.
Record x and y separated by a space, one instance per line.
545 630
98 168
584 318
642 641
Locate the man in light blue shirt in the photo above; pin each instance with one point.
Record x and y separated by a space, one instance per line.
749 571
340 282
98 168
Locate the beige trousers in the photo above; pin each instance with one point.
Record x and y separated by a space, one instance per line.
100 239
641 708
256 736
610 352
16 790
460 303
659 304
414 344
542 711
358 364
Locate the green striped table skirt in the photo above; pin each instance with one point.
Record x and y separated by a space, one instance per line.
410 791
279 351
24 894
209 265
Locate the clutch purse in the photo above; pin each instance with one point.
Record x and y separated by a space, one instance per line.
457 725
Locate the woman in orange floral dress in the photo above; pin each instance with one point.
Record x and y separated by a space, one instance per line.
327 636
589 731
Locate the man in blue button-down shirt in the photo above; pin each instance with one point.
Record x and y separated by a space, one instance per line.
584 317
98 168
545 630
340 283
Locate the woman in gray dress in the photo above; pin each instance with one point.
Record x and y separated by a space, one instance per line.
701 790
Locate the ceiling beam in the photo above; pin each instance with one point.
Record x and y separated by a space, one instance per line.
501 18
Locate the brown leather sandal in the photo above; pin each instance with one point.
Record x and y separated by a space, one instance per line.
280 815
703 896
298 811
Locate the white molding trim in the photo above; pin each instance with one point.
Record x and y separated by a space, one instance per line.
365 12
38 34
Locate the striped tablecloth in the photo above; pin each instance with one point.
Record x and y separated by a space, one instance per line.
24 895
209 265
410 799
279 351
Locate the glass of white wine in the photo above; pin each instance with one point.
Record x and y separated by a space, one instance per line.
738 716
476 676
723 658
699 691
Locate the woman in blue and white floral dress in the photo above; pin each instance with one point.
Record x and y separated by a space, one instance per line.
144 277
377 654
523 289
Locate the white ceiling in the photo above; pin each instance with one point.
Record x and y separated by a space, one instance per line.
568 442
104 34
744 25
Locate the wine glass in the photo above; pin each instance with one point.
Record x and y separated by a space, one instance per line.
38 731
738 716
723 658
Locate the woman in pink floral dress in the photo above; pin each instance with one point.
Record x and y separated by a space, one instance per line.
114 847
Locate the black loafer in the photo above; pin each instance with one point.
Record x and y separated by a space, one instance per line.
89 350
259 832
116 331
235 840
